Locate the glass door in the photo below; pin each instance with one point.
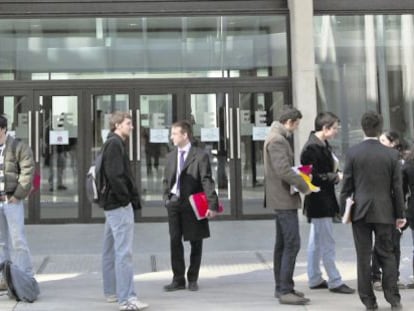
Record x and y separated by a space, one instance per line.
209 112
101 105
155 114
255 112
57 153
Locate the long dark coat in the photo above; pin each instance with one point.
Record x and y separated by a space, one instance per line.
319 154
195 177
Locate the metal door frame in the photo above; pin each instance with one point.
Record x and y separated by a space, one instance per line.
280 87
36 204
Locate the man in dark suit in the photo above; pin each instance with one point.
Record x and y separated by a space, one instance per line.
188 171
372 174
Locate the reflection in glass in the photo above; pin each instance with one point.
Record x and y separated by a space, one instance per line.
365 63
157 114
209 118
257 112
143 47
59 141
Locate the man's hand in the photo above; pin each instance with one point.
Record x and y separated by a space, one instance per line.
211 214
400 222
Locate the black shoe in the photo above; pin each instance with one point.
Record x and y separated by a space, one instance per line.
342 289
292 299
372 307
322 285
174 286
193 286
295 292
397 306
61 187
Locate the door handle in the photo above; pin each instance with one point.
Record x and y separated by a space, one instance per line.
29 124
37 141
238 132
130 142
138 118
231 133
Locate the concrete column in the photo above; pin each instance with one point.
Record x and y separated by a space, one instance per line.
303 67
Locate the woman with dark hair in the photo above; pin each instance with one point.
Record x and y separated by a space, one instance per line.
390 139
408 187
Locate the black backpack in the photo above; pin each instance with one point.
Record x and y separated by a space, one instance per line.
20 286
96 182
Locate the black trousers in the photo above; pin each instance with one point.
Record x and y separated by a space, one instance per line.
175 222
384 249
286 249
376 270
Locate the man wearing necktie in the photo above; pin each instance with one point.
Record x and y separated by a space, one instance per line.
188 171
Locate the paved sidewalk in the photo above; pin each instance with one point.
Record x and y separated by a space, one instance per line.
236 271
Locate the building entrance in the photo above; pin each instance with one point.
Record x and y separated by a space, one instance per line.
67 126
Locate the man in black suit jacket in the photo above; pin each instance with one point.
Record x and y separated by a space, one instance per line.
188 171
372 174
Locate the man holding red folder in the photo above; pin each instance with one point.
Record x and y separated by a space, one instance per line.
187 172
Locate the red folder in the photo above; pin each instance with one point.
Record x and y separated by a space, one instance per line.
199 204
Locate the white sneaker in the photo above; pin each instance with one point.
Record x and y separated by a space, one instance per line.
128 306
111 298
139 304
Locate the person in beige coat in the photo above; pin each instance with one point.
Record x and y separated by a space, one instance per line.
281 193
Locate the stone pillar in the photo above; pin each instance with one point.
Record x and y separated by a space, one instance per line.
303 68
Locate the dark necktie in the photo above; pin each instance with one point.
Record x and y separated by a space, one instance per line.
180 167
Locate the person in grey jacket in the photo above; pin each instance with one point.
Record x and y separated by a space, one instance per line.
281 179
16 175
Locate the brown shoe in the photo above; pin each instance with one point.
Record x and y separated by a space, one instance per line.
292 299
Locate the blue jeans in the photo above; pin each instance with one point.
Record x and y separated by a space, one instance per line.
322 245
117 267
13 238
286 249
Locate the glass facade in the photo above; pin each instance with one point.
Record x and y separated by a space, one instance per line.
143 47
365 62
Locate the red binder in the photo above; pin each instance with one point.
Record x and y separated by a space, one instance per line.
199 204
